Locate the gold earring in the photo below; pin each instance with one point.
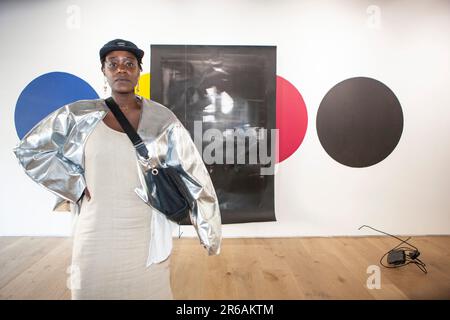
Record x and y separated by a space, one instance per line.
105 86
137 88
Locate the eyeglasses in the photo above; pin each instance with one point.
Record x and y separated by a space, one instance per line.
127 64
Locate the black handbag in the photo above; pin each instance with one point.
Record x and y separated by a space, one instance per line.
167 191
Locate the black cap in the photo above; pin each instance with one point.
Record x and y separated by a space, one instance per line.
121 45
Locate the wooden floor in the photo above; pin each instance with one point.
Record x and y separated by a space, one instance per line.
275 268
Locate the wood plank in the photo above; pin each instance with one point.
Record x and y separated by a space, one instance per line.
412 281
5 242
22 254
253 268
45 279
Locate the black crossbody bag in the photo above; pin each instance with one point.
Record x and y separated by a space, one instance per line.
167 191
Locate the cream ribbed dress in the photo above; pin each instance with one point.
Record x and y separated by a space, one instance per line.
112 232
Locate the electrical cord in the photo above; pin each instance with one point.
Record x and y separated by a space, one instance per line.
411 255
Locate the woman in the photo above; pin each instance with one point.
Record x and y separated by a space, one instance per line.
121 247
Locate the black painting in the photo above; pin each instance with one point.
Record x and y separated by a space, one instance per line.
230 89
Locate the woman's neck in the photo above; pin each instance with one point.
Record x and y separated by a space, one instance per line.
125 100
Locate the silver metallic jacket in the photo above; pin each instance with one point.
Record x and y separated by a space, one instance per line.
52 154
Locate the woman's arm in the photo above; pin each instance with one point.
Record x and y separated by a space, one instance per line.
205 216
51 157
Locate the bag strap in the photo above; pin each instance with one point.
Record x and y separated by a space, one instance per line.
127 128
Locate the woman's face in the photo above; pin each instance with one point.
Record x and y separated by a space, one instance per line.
121 68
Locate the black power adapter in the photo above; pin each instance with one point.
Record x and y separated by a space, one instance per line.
401 256
396 257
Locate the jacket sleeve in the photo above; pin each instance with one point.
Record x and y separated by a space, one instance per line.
50 157
205 216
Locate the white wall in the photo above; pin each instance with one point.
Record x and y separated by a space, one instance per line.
319 43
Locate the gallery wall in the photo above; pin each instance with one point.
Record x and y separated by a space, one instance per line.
402 45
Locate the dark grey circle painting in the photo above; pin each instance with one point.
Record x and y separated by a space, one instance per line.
359 122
